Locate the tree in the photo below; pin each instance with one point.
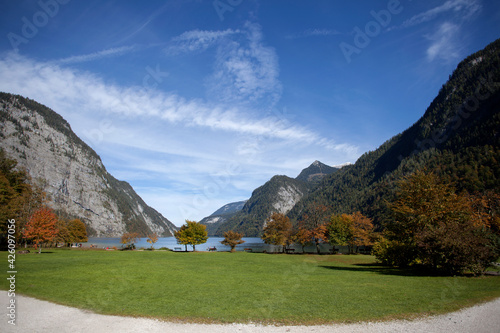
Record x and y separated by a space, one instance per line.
41 227
78 231
232 238
63 235
277 230
71 231
302 236
340 230
192 233
353 230
315 223
437 227
362 230
152 239
129 239
18 199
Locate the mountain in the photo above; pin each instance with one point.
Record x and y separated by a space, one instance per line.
221 215
457 138
315 172
71 173
279 194
230 208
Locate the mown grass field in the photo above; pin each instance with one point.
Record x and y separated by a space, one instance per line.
242 287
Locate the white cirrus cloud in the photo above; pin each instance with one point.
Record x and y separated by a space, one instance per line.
64 88
246 71
97 55
313 32
197 40
463 8
444 43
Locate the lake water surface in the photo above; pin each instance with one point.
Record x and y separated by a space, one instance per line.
254 243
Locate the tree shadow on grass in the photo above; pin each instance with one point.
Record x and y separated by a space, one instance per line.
387 270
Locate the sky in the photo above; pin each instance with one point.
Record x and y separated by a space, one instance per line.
198 103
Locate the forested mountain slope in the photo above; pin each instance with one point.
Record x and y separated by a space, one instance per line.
457 138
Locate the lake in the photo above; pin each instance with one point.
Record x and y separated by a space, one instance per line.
255 243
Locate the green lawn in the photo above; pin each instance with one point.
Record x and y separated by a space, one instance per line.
241 287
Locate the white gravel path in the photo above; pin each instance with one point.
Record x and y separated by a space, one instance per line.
33 315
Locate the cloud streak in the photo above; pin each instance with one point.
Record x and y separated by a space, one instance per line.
444 43
463 8
63 87
313 33
97 55
197 40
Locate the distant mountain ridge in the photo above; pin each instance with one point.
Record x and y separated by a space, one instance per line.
279 194
230 208
221 215
71 173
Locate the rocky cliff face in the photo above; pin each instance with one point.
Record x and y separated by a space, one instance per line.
286 197
71 173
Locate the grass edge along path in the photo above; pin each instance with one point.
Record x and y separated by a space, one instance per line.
243 287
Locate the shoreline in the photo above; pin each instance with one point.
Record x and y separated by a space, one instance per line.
43 316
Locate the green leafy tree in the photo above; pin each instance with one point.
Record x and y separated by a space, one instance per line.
232 238
278 230
78 231
340 230
192 233
71 231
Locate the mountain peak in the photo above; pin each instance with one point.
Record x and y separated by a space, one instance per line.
315 172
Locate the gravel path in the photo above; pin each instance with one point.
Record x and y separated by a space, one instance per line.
33 315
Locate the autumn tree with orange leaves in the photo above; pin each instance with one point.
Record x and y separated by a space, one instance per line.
352 230
41 227
438 228
278 230
314 226
232 238
152 239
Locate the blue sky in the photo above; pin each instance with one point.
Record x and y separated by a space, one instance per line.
197 103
